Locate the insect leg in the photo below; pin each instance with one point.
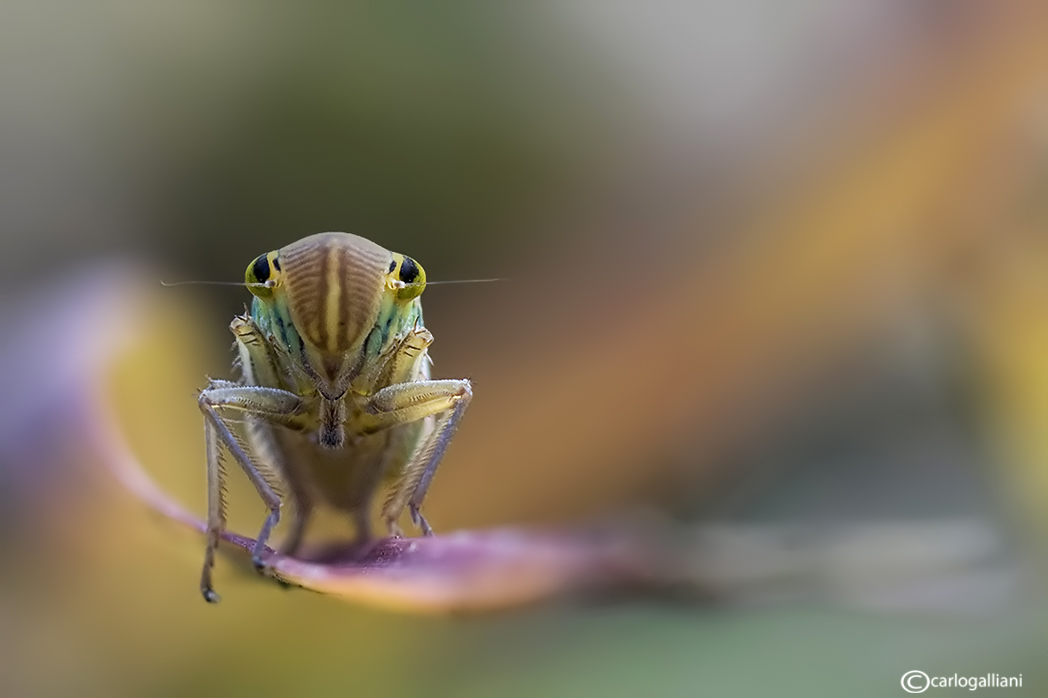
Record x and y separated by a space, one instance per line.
403 403
260 368
267 403
216 510
396 361
299 518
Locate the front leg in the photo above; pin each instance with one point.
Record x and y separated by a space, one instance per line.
397 362
260 365
270 404
404 403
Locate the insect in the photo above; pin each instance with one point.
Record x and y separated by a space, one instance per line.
335 399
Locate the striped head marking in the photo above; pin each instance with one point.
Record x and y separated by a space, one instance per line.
334 285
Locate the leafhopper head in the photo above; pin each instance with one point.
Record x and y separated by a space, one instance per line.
334 286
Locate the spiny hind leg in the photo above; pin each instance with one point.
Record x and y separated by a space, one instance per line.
216 511
265 403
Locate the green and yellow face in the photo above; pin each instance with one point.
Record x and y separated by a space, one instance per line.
329 297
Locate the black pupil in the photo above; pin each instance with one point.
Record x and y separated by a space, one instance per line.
261 269
408 271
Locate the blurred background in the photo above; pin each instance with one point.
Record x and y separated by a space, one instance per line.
777 277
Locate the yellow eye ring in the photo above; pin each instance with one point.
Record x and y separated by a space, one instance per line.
407 276
261 275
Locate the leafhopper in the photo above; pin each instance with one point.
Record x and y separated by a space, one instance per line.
335 400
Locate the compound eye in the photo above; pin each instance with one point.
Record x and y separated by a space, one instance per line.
409 271
259 272
410 275
260 268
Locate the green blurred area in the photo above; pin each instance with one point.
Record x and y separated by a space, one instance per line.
214 131
767 262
